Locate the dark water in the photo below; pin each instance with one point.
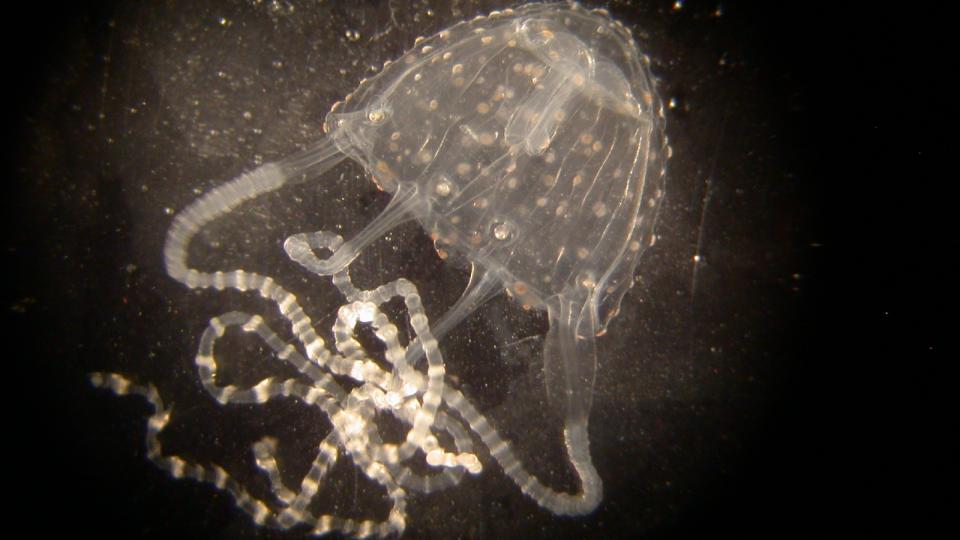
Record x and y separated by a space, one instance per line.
740 390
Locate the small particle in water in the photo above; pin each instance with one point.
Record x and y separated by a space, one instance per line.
352 35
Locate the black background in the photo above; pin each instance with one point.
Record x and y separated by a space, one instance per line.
847 433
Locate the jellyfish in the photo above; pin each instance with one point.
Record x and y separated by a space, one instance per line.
529 143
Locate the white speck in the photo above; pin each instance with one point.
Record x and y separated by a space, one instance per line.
501 231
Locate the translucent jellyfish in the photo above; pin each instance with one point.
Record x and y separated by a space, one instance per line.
530 143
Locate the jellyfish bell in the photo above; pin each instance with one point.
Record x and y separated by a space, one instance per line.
531 144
